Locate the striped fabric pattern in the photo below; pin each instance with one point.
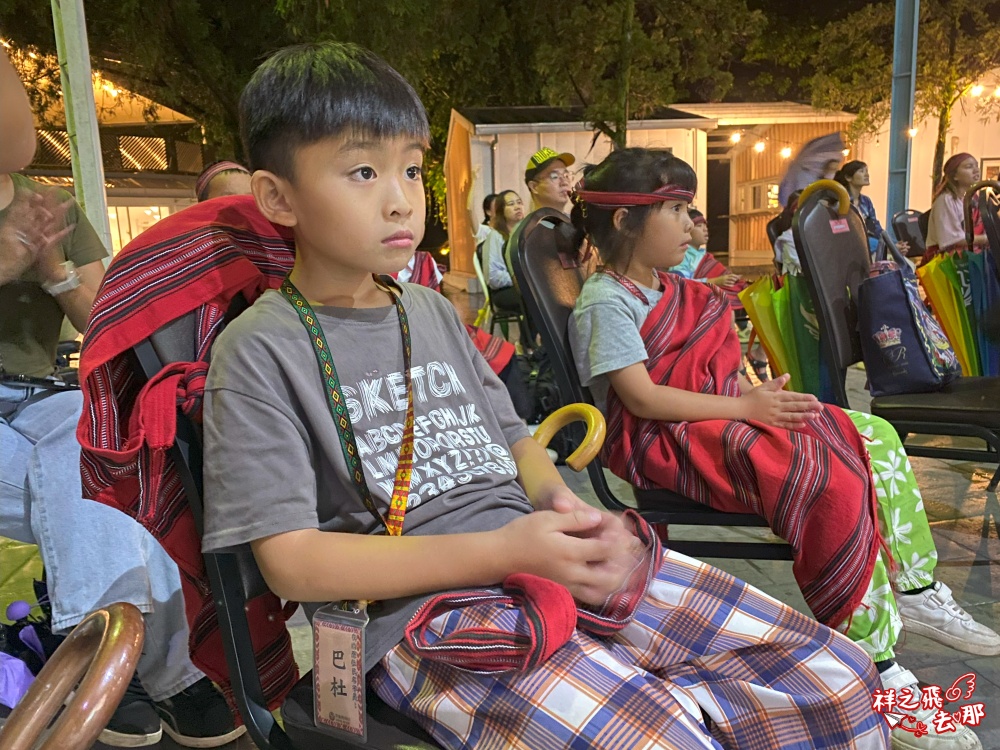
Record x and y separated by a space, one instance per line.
813 485
192 262
706 662
709 268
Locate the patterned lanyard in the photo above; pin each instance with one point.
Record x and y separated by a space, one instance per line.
626 282
393 522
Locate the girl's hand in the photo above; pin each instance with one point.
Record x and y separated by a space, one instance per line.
727 279
584 550
769 404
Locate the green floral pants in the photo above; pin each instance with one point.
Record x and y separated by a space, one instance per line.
875 624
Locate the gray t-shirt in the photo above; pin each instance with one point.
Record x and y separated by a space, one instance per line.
273 459
604 331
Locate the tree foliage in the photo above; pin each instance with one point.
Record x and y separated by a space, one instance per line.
959 42
622 60
194 56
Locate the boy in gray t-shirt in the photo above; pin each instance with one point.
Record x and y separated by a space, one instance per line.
336 139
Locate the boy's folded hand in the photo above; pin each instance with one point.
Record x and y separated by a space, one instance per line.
590 552
770 404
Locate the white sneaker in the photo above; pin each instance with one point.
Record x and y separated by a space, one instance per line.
896 678
933 613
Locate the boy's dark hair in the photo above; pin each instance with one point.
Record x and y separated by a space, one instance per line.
627 170
308 92
694 213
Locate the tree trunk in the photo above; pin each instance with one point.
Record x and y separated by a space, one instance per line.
624 74
944 124
953 92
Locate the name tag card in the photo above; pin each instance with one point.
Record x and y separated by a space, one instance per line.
339 671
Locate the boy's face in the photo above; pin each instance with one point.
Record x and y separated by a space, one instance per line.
357 206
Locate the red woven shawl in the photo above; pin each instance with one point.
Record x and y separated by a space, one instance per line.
813 486
710 268
194 261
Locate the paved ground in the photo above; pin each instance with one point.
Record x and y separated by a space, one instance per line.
964 519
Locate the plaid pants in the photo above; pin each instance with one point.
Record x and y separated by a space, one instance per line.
707 662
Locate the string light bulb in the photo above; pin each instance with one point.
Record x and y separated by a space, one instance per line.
759 147
736 137
912 132
786 152
976 90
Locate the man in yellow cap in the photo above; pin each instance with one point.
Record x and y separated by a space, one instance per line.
549 180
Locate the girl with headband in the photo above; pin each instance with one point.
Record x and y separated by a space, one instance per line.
661 359
946 228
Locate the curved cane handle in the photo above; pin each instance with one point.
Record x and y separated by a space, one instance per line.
592 442
103 649
843 199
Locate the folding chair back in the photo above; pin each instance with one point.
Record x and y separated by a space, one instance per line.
906 225
773 232
483 315
550 278
833 249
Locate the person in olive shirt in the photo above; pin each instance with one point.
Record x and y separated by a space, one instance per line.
50 269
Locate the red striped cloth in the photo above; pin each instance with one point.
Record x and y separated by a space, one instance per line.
710 268
813 485
497 351
195 261
425 271
550 615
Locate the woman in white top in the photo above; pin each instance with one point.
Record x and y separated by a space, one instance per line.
483 229
946 229
508 211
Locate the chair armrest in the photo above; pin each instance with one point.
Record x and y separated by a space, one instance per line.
592 441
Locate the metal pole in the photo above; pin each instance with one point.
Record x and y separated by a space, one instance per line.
904 79
81 113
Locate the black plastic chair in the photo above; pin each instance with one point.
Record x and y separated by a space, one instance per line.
235 580
906 225
988 194
772 229
499 315
549 291
834 263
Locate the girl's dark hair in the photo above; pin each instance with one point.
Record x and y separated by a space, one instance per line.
846 172
308 92
488 206
627 170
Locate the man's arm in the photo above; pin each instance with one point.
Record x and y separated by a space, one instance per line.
77 303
